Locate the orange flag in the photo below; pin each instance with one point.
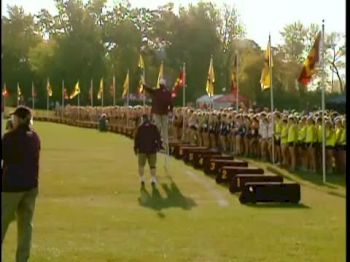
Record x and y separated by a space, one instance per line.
310 63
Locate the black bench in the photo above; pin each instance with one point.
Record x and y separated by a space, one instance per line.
239 181
216 165
189 155
270 192
228 172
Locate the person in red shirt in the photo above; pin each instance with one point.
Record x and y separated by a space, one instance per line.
162 105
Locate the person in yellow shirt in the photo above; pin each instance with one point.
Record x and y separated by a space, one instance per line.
277 138
301 149
284 142
292 140
330 144
310 143
319 144
340 139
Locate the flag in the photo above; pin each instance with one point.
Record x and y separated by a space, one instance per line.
179 83
141 65
90 93
19 93
265 80
48 88
100 91
234 81
112 87
65 93
5 93
211 79
76 91
126 86
310 63
33 91
160 75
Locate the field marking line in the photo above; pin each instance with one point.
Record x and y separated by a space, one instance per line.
222 201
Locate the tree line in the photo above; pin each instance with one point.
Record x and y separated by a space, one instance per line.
90 41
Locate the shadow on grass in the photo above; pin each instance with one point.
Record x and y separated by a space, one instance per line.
173 198
278 205
333 180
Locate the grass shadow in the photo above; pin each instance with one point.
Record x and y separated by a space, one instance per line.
334 181
278 205
173 198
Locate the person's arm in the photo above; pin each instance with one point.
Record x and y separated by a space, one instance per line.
148 89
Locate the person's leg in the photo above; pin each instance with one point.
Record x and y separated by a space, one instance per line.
9 203
152 161
25 212
141 163
292 157
312 159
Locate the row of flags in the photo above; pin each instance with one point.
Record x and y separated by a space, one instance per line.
305 77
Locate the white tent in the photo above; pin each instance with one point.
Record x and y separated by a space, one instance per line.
207 102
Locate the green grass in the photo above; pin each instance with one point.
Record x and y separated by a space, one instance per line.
90 208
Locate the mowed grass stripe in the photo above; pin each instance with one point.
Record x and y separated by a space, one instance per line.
90 208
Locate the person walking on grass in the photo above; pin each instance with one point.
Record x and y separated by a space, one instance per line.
21 148
146 145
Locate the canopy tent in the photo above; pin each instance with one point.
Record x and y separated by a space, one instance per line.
230 98
337 103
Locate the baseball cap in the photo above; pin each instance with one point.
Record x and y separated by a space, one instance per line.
22 112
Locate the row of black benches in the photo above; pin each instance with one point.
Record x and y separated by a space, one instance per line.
127 131
251 182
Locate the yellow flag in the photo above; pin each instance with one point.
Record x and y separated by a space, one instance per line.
126 85
265 80
100 91
76 91
48 88
160 75
211 79
141 64
19 93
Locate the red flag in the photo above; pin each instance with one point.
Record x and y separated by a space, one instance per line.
111 90
234 84
5 93
310 63
65 93
180 82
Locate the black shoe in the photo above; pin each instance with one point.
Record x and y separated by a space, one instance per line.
153 184
142 184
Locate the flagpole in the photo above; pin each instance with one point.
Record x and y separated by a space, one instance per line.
47 98
92 93
62 99
102 95
113 90
127 98
323 110
183 97
33 103
272 106
17 94
79 106
237 93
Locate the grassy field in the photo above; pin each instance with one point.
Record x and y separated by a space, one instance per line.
90 208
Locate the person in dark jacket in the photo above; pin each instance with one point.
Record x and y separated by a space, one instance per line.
21 147
146 145
161 106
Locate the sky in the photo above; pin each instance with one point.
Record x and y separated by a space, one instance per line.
260 17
